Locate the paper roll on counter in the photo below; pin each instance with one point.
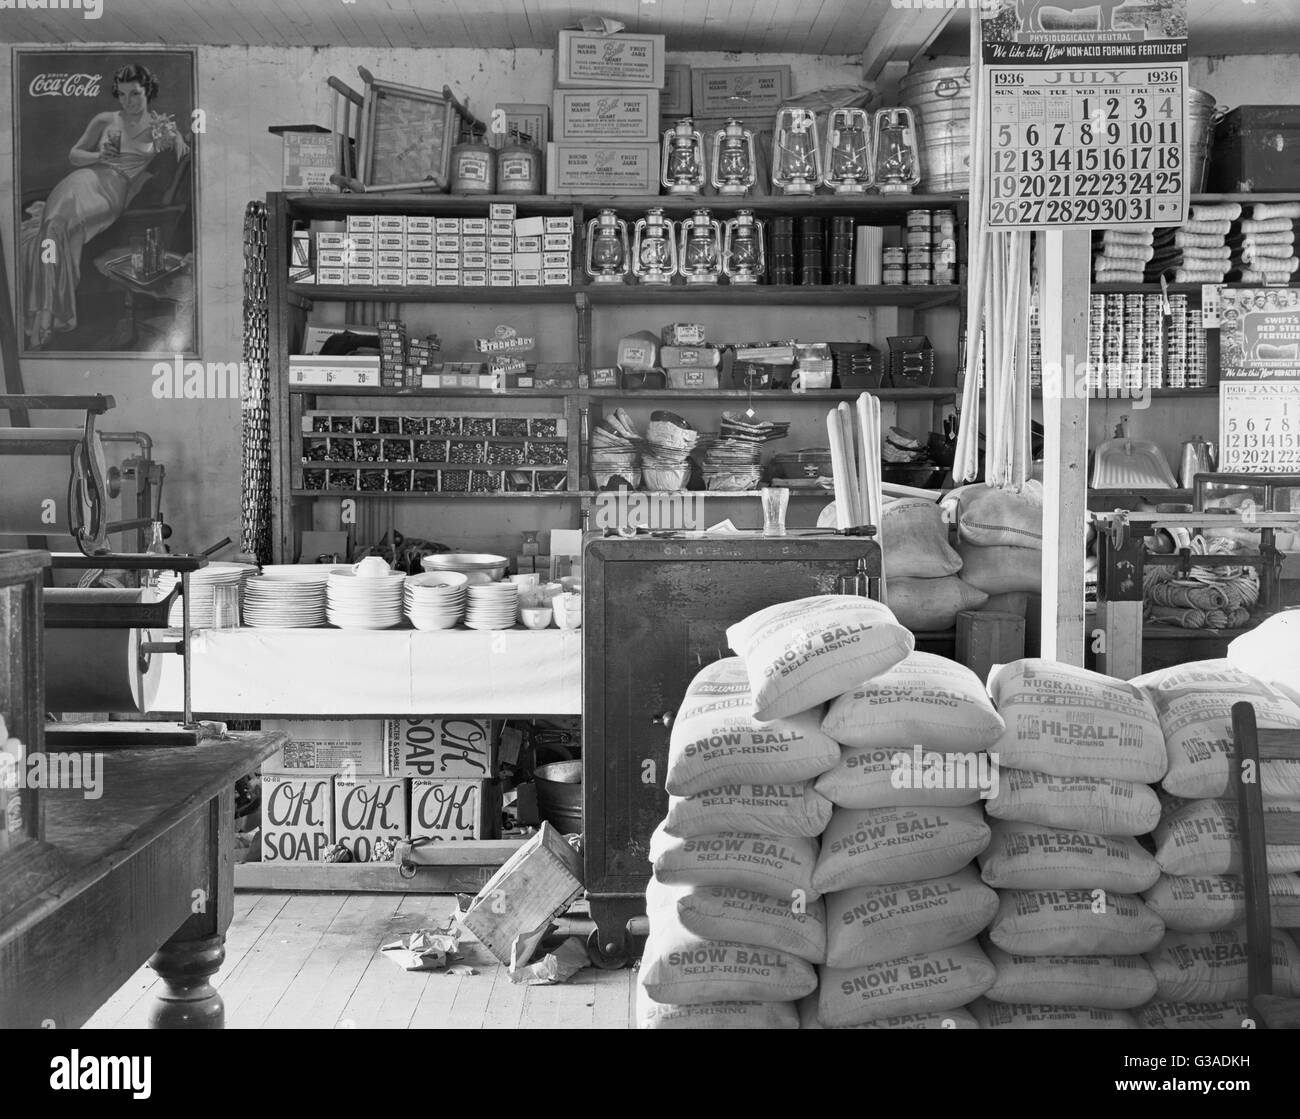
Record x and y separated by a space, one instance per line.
100 670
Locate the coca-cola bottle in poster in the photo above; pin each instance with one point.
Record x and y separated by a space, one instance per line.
104 151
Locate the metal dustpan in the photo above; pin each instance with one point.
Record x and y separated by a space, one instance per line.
1127 464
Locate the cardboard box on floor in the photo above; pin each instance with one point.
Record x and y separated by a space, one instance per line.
297 817
367 810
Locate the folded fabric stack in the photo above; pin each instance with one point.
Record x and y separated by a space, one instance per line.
1119 256
1263 244
1196 252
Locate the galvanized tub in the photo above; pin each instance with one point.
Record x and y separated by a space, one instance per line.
940 99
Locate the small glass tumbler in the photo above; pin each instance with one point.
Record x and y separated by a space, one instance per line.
775 501
225 606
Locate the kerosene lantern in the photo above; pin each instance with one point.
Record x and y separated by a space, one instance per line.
607 255
796 158
898 169
683 158
654 248
733 159
743 258
699 250
848 164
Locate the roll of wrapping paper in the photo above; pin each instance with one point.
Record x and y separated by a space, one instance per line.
100 670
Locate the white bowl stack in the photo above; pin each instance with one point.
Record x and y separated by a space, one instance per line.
364 602
492 606
436 599
202 583
286 596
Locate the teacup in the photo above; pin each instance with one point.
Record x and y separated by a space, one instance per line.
568 611
536 617
372 567
526 581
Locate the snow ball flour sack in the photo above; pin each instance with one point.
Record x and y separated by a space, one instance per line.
779 865
877 846
871 924
1194 703
717 741
683 969
1194 1015
1018 1016
873 777
1029 857
1211 967
1198 903
925 605
1071 722
1074 923
928 981
651 1015
1202 837
957 1019
914 540
800 654
793 808
1105 982
731 913
1097 804
924 700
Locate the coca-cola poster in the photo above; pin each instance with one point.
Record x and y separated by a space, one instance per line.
106 201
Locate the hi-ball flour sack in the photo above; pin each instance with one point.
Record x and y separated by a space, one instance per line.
787 924
877 846
1019 1016
1195 1015
1194 703
873 777
929 981
1096 804
872 924
682 969
800 654
1105 982
1202 837
716 740
957 1019
1074 923
1198 903
1211 967
925 700
779 865
792 808
1070 722
651 1015
1030 857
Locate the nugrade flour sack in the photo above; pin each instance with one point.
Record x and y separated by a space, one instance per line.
1030 857
800 654
651 1015
787 808
877 846
886 777
1097 804
1070 722
1074 923
923 700
780 865
872 924
733 913
1106 982
1194 703
717 741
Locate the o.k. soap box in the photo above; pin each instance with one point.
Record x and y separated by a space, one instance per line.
448 810
297 818
366 810
440 747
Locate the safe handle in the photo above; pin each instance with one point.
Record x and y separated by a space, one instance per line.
664 718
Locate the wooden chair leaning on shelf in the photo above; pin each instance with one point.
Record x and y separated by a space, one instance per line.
1262 913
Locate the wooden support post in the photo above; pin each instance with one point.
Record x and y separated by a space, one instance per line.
1064 263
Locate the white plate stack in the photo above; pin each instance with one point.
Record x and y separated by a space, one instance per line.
202 583
364 602
436 599
286 596
492 606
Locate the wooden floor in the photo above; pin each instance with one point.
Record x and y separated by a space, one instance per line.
312 961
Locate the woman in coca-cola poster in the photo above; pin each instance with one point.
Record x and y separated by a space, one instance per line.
105 200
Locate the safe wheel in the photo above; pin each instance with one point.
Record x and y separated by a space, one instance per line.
605 955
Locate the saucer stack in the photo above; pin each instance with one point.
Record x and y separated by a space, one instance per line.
202 583
492 606
286 596
364 602
436 599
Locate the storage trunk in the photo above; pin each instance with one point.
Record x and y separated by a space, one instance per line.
656 611
1256 148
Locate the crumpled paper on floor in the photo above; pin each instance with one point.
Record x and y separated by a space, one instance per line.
433 949
555 967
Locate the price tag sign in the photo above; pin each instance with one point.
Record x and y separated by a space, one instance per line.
1259 368
1086 124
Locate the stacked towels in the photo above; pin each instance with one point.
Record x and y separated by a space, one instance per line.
1263 245
1120 255
1196 252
